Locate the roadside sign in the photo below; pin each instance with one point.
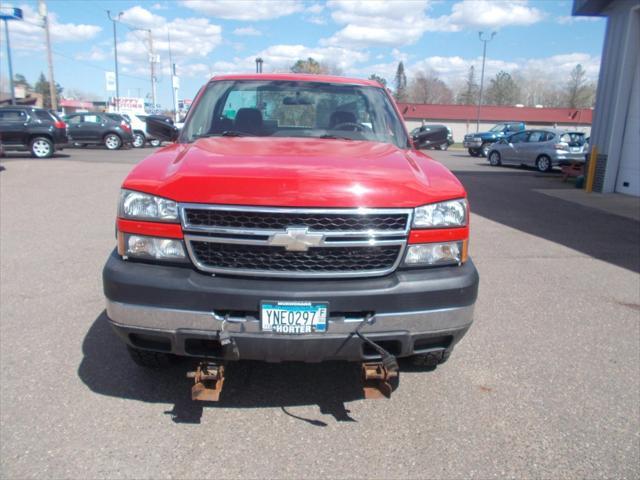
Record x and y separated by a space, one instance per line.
9 13
110 81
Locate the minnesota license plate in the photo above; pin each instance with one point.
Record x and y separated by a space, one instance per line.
294 317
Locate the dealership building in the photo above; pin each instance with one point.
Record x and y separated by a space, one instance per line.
463 119
616 120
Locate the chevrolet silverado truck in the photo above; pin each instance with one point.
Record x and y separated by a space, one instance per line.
479 144
290 219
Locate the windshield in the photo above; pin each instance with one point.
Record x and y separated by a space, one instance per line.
276 108
498 128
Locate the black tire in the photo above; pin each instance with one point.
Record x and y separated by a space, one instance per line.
154 142
148 359
494 159
139 140
484 149
473 152
543 163
444 146
41 147
112 141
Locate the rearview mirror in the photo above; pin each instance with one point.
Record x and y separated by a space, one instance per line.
162 130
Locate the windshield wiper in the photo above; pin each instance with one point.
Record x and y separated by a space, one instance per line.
226 133
334 137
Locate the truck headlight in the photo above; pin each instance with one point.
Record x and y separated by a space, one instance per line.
434 254
142 206
152 248
452 213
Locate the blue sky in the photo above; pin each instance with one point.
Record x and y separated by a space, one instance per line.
535 38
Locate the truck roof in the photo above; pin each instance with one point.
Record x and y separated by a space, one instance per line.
301 77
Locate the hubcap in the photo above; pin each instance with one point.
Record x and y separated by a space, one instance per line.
41 148
112 142
494 159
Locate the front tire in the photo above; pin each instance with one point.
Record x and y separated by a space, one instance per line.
484 149
138 140
444 146
112 141
473 152
543 164
494 159
41 147
154 142
148 359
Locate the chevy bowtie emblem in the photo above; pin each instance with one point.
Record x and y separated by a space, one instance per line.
296 239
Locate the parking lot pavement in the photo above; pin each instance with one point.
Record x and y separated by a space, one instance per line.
546 383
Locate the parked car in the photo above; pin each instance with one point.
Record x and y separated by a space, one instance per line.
543 149
26 128
432 136
478 144
140 135
305 227
97 128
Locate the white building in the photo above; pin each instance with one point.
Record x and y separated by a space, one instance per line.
616 121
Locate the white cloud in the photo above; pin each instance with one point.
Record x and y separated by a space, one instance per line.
192 40
159 6
560 65
28 35
569 19
247 31
96 54
315 9
400 22
248 10
494 13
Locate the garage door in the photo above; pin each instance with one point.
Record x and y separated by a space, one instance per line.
628 180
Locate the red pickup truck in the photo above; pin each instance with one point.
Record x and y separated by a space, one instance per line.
291 219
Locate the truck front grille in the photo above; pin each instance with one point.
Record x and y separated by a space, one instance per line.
295 242
321 222
277 259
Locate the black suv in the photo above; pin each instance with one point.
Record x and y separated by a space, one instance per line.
31 129
97 128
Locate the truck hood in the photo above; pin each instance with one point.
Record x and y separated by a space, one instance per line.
294 172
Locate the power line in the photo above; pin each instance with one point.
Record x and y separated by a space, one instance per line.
95 66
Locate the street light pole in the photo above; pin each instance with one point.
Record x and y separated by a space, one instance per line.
484 40
6 14
115 54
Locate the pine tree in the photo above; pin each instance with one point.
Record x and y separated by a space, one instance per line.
401 83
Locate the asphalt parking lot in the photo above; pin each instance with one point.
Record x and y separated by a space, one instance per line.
545 384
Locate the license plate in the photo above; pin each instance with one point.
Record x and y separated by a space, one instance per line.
294 317
575 149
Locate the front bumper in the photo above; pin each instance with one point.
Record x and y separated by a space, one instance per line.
472 143
179 310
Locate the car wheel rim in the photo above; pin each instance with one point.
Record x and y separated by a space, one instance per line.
138 141
112 142
41 148
493 159
543 164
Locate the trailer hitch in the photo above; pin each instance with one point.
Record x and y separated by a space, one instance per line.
378 380
208 378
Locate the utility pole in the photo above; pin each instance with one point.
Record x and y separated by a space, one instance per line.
152 60
53 93
174 80
115 54
484 40
7 14
259 62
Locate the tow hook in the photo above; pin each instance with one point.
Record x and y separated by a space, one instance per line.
378 380
209 378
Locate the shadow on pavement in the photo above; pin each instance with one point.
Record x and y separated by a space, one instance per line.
510 198
106 369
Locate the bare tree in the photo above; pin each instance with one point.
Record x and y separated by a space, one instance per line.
503 90
579 93
310 65
428 88
377 78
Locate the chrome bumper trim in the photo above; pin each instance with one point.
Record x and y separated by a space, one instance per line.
171 320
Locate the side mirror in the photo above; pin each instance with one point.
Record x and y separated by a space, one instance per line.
162 130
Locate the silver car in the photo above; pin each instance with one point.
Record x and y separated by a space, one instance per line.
540 148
